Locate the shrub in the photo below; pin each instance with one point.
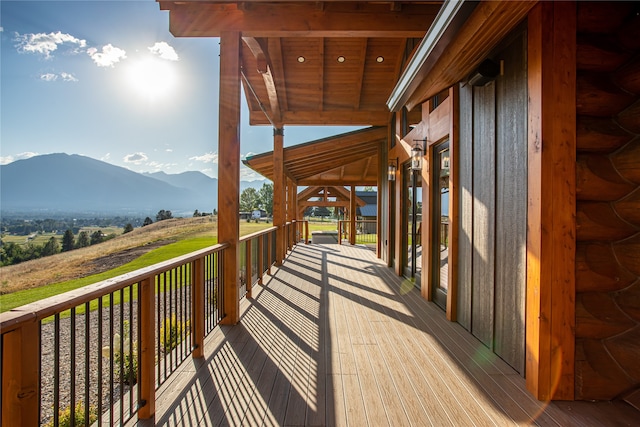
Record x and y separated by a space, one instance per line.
173 332
126 356
64 416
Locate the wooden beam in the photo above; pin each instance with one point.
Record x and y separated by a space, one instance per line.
229 170
265 69
347 181
198 19
551 226
363 56
321 118
366 168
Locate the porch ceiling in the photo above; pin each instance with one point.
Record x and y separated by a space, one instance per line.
347 159
309 62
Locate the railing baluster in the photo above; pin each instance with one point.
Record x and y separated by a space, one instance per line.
146 303
100 361
87 353
56 370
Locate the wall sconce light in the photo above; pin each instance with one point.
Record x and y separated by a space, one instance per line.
393 168
487 71
419 147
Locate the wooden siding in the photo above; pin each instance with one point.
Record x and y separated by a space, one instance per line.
511 204
492 203
335 338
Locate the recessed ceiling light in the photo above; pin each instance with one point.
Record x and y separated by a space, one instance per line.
301 59
340 58
379 59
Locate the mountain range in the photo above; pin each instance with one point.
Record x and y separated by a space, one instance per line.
79 184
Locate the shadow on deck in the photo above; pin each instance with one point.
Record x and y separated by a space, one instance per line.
335 338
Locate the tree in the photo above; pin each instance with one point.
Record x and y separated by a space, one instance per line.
68 241
162 215
96 237
128 228
196 213
51 247
248 199
265 196
147 221
83 240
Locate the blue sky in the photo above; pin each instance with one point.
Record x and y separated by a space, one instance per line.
106 79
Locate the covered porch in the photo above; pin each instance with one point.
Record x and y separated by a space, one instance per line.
334 337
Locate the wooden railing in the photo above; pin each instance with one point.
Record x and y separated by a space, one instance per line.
257 255
105 348
102 350
366 231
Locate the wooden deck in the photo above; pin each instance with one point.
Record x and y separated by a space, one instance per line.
335 338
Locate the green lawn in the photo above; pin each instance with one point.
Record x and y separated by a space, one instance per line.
183 247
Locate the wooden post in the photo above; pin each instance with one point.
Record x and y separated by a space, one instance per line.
229 170
452 293
306 232
352 216
197 307
551 227
21 376
260 258
269 250
248 271
147 349
279 195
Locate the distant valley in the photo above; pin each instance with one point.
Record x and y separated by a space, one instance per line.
63 183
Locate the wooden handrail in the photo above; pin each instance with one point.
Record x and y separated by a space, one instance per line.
44 308
257 233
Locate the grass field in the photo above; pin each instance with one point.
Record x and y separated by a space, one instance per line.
45 277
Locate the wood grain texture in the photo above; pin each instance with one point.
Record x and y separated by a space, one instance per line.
465 224
511 205
334 339
484 213
229 168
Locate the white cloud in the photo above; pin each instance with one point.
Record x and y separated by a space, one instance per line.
206 158
169 150
106 157
10 159
49 77
109 56
52 77
136 158
247 174
164 51
68 77
44 44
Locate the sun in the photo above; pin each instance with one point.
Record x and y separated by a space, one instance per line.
152 78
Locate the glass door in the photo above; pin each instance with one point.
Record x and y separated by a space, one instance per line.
440 231
412 224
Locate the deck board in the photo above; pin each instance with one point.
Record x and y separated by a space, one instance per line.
335 338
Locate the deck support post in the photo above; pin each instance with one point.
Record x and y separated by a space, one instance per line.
197 307
147 349
352 216
551 214
21 376
279 195
248 252
229 170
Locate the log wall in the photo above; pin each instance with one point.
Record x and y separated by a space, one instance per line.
608 202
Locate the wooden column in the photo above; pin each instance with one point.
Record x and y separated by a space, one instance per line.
352 216
279 195
551 227
229 169
249 278
20 376
454 217
293 205
260 258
